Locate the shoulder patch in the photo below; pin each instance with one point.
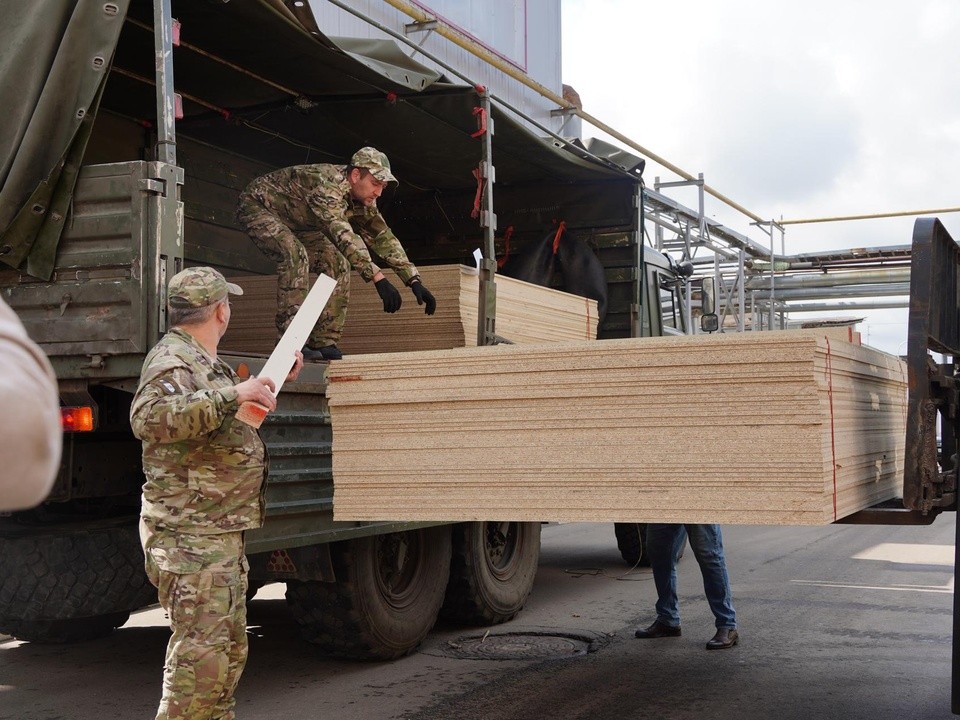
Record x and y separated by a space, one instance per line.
169 387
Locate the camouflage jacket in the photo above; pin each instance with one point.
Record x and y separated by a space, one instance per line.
312 198
205 470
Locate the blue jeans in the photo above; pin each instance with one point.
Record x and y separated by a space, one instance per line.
664 543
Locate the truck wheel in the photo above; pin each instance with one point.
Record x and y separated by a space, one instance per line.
73 585
386 598
491 572
632 543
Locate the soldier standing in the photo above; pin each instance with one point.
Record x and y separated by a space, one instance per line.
324 218
205 473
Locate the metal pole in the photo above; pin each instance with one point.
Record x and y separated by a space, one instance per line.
742 303
687 289
772 275
658 229
487 299
166 105
636 311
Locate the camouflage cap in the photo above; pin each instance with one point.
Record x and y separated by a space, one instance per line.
374 161
198 287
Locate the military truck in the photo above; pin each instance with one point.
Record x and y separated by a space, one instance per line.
137 132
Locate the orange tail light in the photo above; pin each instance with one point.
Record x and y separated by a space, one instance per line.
76 419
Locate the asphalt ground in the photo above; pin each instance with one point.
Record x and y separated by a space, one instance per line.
836 622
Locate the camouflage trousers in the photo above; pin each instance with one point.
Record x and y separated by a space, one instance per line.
297 255
208 618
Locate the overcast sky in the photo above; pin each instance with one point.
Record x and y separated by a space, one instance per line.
793 110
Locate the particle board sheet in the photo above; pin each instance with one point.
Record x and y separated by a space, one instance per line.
789 428
526 313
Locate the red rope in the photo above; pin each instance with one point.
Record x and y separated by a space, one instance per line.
481 115
476 201
833 440
556 238
507 234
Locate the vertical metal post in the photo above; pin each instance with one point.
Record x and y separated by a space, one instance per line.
487 298
687 289
742 283
658 229
772 276
701 227
166 105
637 309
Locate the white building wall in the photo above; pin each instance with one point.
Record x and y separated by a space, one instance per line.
539 36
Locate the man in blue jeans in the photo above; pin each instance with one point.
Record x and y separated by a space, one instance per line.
664 543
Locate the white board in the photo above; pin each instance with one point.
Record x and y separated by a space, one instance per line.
281 360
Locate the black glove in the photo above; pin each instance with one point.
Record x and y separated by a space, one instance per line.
389 294
424 296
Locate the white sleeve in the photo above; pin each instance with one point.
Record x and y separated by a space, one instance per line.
30 417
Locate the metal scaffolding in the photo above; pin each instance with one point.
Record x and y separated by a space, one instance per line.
758 287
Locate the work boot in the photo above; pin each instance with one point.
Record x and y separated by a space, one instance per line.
725 638
327 352
657 630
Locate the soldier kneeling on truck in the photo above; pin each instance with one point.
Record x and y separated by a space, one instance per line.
324 218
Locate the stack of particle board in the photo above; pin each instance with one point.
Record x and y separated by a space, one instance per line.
755 428
253 317
526 313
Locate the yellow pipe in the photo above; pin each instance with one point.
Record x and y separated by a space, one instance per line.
841 218
460 40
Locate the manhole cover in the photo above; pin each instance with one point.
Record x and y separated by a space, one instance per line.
519 646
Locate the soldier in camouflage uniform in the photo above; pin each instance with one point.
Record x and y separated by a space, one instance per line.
324 218
205 474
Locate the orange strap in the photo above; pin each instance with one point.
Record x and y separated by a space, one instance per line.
507 234
476 200
481 116
556 238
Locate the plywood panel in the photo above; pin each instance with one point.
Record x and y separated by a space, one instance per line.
770 428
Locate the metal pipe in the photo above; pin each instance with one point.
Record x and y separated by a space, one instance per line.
637 306
842 218
828 292
487 297
852 306
478 51
852 277
186 96
215 58
163 61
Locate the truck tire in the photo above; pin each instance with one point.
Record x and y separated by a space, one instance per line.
632 543
385 600
491 571
73 585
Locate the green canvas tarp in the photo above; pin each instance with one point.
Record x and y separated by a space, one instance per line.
54 60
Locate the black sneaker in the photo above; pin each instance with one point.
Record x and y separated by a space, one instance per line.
327 352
